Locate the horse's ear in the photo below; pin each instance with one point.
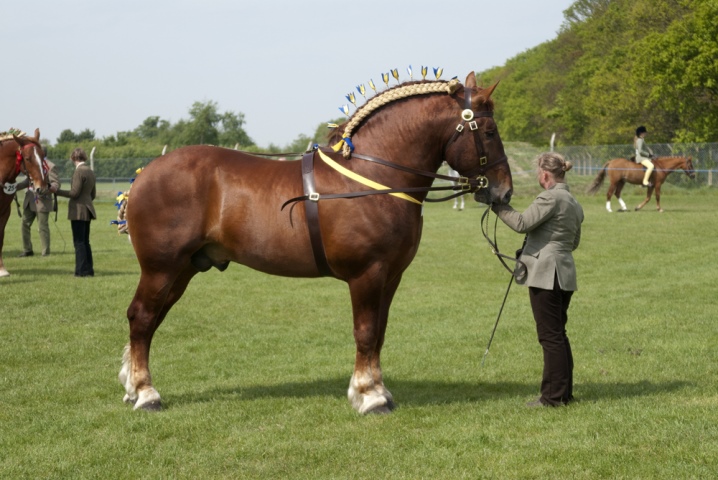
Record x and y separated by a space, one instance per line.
487 92
470 80
37 134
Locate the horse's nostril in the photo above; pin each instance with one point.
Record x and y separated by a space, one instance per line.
507 197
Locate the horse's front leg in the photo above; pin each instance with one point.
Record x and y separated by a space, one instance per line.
649 192
658 199
371 300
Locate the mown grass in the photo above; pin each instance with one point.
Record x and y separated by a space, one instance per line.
253 369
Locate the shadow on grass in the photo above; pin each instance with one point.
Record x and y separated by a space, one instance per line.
22 275
427 392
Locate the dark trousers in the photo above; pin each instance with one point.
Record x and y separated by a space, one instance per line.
550 309
83 252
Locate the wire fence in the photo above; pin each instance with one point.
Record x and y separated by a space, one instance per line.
587 161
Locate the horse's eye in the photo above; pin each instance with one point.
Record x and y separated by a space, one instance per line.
490 133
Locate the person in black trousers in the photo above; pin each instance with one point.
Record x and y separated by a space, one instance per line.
553 227
81 212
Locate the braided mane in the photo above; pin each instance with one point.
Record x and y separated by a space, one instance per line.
13 131
399 92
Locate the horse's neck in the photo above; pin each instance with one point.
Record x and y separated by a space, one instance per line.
406 134
7 161
668 163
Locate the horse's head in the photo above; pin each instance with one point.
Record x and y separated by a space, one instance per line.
30 160
475 149
688 167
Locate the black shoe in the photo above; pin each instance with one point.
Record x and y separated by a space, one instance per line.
536 403
26 254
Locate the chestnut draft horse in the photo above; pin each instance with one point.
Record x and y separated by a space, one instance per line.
620 171
18 154
356 217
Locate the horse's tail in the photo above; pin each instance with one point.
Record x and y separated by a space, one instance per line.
598 181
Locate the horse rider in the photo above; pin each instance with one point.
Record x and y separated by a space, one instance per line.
643 154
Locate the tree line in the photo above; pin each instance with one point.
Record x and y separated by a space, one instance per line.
615 65
121 154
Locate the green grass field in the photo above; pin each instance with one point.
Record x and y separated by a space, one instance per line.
253 369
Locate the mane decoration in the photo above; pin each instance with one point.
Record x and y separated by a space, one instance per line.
388 96
121 205
9 134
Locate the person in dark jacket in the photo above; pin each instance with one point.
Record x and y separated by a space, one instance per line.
81 212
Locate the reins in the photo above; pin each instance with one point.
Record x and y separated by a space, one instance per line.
520 266
464 184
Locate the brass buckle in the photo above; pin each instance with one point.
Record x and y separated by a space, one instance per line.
481 182
460 127
473 126
314 197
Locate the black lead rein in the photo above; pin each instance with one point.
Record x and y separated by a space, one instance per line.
519 266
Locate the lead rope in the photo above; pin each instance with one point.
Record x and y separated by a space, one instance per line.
495 251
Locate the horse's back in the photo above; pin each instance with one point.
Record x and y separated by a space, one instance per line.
224 202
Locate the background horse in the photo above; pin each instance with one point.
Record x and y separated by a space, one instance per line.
620 171
458 201
18 154
233 212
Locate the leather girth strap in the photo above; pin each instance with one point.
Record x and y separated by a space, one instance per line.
311 209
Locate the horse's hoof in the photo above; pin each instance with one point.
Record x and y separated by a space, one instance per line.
382 410
154 406
128 399
4 273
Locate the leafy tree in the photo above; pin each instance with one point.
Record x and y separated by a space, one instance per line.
232 130
616 64
67 136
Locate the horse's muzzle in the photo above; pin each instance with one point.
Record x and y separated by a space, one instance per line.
489 196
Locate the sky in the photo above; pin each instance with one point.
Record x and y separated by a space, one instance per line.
285 64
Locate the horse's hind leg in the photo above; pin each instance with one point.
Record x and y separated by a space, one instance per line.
609 194
155 295
619 189
370 304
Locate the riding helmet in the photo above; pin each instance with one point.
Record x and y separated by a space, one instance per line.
641 130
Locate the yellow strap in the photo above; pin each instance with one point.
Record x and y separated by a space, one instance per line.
362 180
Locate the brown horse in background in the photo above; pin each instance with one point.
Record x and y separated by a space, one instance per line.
18 154
231 210
620 171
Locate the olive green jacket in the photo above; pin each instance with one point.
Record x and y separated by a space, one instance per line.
553 227
81 194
